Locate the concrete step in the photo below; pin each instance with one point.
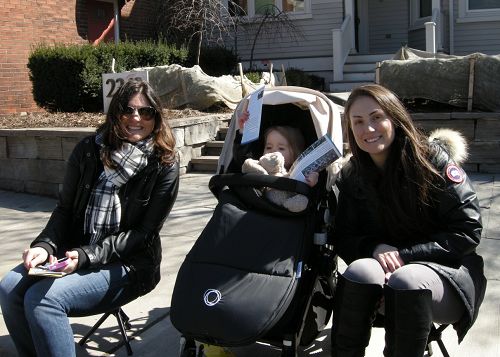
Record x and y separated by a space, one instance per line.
355 58
221 135
210 154
206 163
213 148
359 67
346 86
359 76
358 70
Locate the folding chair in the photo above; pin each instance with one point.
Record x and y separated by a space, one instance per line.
434 335
123 324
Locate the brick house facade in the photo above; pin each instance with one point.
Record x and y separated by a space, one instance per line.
25 23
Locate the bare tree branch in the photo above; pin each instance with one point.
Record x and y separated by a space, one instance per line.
272 26
195 20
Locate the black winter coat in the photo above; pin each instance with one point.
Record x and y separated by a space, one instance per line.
449 248
146 200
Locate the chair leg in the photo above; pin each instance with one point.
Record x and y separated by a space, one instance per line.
435 335
123 324
122 320
443 348
95 327
125 318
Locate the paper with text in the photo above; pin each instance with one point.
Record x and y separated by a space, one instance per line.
252 125
316 157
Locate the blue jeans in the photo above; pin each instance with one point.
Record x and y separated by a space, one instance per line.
36 309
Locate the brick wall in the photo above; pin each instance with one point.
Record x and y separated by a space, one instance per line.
26 23
22 25
138 19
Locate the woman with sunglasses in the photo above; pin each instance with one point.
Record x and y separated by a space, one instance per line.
119 188
407 224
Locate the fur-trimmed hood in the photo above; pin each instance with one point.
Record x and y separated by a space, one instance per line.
453 142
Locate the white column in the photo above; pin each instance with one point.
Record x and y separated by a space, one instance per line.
349 11
338 65
436 7
430 37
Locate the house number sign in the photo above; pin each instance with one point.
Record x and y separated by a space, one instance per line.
111 83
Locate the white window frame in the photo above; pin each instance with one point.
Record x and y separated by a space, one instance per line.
306 14
466 15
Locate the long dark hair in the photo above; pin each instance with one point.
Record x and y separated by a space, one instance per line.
114 135
408 177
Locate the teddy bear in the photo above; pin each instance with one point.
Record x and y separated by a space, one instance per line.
274 164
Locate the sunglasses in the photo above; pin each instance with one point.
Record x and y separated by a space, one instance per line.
146 113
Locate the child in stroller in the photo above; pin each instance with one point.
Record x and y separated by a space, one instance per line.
259 272
282 146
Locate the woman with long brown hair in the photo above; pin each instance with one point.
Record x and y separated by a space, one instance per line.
407 224
119 188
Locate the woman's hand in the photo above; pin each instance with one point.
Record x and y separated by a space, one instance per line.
388 257
312 178
73 262
243 119
34 256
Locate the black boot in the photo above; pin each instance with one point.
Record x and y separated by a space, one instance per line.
354 310
408 319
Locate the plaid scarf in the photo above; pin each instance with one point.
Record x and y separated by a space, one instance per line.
103 212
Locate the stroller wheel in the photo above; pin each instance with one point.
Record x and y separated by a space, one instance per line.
187 347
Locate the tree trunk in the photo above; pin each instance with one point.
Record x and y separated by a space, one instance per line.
262 22
198 50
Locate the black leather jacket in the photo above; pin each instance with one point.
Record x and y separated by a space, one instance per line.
449 248
146 201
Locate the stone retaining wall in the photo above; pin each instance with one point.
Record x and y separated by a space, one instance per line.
482 131
33 160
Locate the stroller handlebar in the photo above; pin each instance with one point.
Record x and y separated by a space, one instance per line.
218 182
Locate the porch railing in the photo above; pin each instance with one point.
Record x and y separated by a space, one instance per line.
342 44
433 32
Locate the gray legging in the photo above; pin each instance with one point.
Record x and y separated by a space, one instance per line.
446 304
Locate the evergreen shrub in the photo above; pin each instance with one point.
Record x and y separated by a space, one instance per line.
217 60
297 77
68 77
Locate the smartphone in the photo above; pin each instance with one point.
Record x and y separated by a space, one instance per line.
59 265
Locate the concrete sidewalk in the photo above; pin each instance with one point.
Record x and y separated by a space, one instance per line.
22 217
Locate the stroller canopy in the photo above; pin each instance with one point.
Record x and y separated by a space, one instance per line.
323 113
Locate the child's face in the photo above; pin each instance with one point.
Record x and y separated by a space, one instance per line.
275 142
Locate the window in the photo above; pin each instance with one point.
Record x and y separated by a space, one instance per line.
263 6
425 8
293 5
483 4
478 10
420 12
259 7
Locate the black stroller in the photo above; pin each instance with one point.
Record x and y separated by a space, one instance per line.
259 272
